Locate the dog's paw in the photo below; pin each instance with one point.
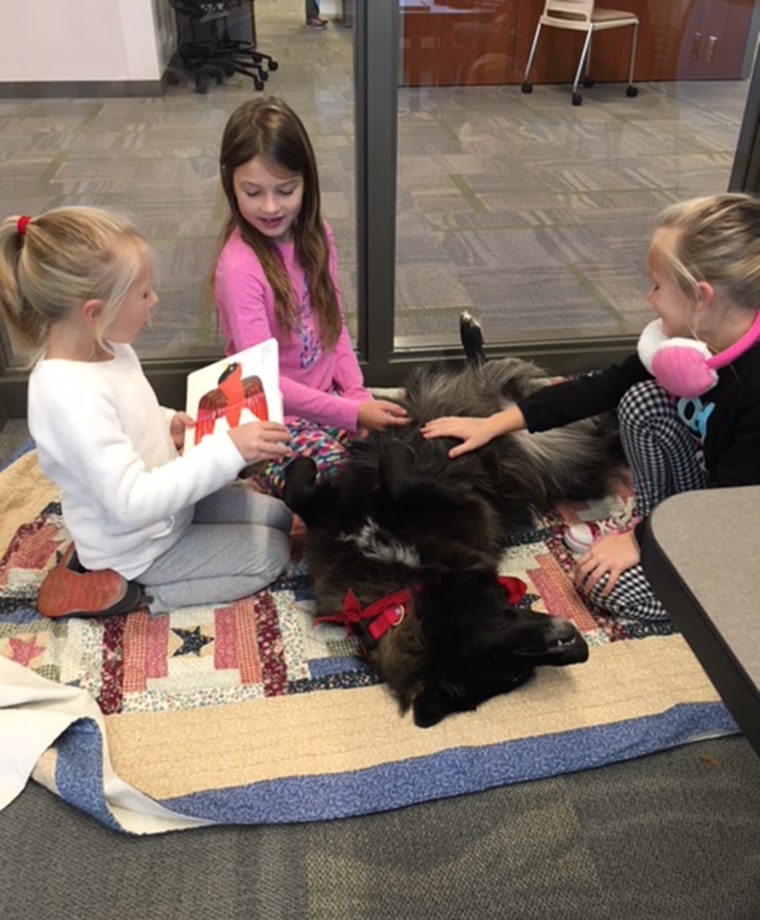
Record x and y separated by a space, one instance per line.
300 478
433 704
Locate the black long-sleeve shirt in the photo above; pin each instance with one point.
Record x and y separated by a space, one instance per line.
726 419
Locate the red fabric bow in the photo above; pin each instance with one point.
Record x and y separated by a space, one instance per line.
390 610
384 613
515 588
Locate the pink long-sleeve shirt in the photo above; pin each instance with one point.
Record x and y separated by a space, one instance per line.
322 386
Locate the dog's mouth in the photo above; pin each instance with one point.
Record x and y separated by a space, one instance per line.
563 645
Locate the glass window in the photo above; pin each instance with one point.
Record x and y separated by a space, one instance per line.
529 201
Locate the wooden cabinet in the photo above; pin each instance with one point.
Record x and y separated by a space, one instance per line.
459 44
467 42
713 40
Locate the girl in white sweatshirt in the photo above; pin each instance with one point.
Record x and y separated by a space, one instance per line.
75 291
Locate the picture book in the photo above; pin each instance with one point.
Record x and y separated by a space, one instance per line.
240 388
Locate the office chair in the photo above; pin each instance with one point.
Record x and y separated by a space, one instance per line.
580 16
218 54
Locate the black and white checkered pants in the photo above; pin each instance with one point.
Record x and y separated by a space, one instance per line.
664 458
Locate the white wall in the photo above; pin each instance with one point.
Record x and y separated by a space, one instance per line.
62 40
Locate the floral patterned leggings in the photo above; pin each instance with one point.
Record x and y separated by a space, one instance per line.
326 446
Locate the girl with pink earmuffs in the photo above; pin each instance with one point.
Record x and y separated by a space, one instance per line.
688 400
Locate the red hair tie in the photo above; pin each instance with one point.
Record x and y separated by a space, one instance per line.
21 224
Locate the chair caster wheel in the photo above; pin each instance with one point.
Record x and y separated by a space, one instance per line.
527 87
577 99
273 65
588 82
632 91
258 84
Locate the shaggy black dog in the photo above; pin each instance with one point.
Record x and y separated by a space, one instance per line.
403 544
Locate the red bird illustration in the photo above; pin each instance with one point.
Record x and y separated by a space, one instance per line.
233 394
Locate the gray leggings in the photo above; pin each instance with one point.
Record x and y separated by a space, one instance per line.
236 545
661 453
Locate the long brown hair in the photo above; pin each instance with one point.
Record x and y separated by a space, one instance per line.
271 130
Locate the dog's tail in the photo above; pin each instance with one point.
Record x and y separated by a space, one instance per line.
471 334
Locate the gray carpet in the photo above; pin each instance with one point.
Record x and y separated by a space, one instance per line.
675 835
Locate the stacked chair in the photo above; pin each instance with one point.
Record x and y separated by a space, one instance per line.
208 51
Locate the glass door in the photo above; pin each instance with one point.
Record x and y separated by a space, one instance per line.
513 202
155 158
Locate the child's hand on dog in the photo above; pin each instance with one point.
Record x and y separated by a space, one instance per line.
474 432
260 440
379 413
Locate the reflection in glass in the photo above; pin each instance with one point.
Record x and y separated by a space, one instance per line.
531 211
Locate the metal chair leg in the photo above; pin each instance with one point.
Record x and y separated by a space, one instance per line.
526 87
631 89
582 61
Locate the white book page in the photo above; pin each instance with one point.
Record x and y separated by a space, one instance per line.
240 388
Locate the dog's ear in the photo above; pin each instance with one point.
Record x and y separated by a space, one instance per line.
435 702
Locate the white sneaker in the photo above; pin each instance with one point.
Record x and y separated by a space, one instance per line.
580 537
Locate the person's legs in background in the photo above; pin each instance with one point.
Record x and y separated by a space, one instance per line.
313 19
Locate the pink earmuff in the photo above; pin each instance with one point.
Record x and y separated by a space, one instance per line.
685 367
681 368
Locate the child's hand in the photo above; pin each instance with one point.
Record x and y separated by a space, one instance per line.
260 440
379 413
474 432
180 421
611 556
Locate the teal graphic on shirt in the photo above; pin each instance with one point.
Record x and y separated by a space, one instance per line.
694 414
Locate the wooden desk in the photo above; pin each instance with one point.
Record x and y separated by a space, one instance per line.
482 42
700 552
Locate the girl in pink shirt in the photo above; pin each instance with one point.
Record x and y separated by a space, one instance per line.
276 276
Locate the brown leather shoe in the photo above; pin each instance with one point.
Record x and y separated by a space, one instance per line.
70 590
